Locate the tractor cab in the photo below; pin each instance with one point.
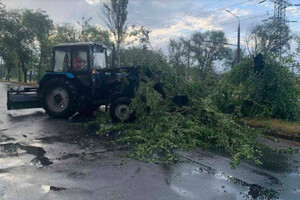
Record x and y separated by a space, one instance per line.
80 60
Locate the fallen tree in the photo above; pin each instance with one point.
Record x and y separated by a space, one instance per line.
160 127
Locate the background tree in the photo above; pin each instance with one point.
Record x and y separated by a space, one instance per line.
2 15
115 13
19 38
64 33
231 58
139 56
273 92
41 26
177 56
265 38
140 36
90 33
9 57
206 49
298 42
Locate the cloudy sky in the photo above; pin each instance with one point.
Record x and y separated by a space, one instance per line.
168 18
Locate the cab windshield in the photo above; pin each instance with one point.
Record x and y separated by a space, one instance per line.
99 59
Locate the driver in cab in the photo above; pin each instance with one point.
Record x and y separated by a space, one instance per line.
79 60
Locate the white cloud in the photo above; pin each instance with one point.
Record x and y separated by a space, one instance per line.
93 2
294 11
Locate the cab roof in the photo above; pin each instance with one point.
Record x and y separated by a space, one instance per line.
79 44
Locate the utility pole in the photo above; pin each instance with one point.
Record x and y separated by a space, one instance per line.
238 53
281 20
239 44
189 55
2 70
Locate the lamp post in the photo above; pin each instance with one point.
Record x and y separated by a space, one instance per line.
238 57
2 71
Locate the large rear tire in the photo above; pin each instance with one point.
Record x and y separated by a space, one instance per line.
60 98
120 110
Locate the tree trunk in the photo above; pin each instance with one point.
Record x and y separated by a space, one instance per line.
19 73
24 72
8 75
119 53
40 66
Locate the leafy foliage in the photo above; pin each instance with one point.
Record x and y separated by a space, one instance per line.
273 92
40 25
205 50
17 37
161 128
136 56
93 33
266 38
141 36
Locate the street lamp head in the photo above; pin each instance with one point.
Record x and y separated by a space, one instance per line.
234 15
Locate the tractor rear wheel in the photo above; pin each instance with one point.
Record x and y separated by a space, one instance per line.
60 98
120 110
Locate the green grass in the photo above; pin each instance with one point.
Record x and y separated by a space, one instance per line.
280 126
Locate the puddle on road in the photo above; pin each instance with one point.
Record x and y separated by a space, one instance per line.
275 161
15 149
190 182
254 191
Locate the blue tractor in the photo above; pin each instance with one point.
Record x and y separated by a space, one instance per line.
81 81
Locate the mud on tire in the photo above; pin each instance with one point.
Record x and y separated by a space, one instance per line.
60 98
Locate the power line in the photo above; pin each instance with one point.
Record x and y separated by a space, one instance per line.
221 24
275 22
281 19
201 14
229 44
182 11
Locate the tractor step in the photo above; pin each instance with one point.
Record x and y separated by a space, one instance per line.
23 99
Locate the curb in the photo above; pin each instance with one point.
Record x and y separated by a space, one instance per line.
20 83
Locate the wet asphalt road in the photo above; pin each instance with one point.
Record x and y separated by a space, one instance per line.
44 158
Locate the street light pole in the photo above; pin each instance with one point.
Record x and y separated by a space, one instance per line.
238 57
2 71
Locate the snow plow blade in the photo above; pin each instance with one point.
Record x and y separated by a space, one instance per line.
23 99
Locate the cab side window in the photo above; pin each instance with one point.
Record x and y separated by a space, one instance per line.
99 60
62 61
79 60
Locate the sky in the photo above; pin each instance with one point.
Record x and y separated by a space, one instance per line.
168 19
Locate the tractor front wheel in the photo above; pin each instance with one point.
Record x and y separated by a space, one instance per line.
60 98
120 110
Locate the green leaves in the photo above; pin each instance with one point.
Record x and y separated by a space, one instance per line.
274 92
161 128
